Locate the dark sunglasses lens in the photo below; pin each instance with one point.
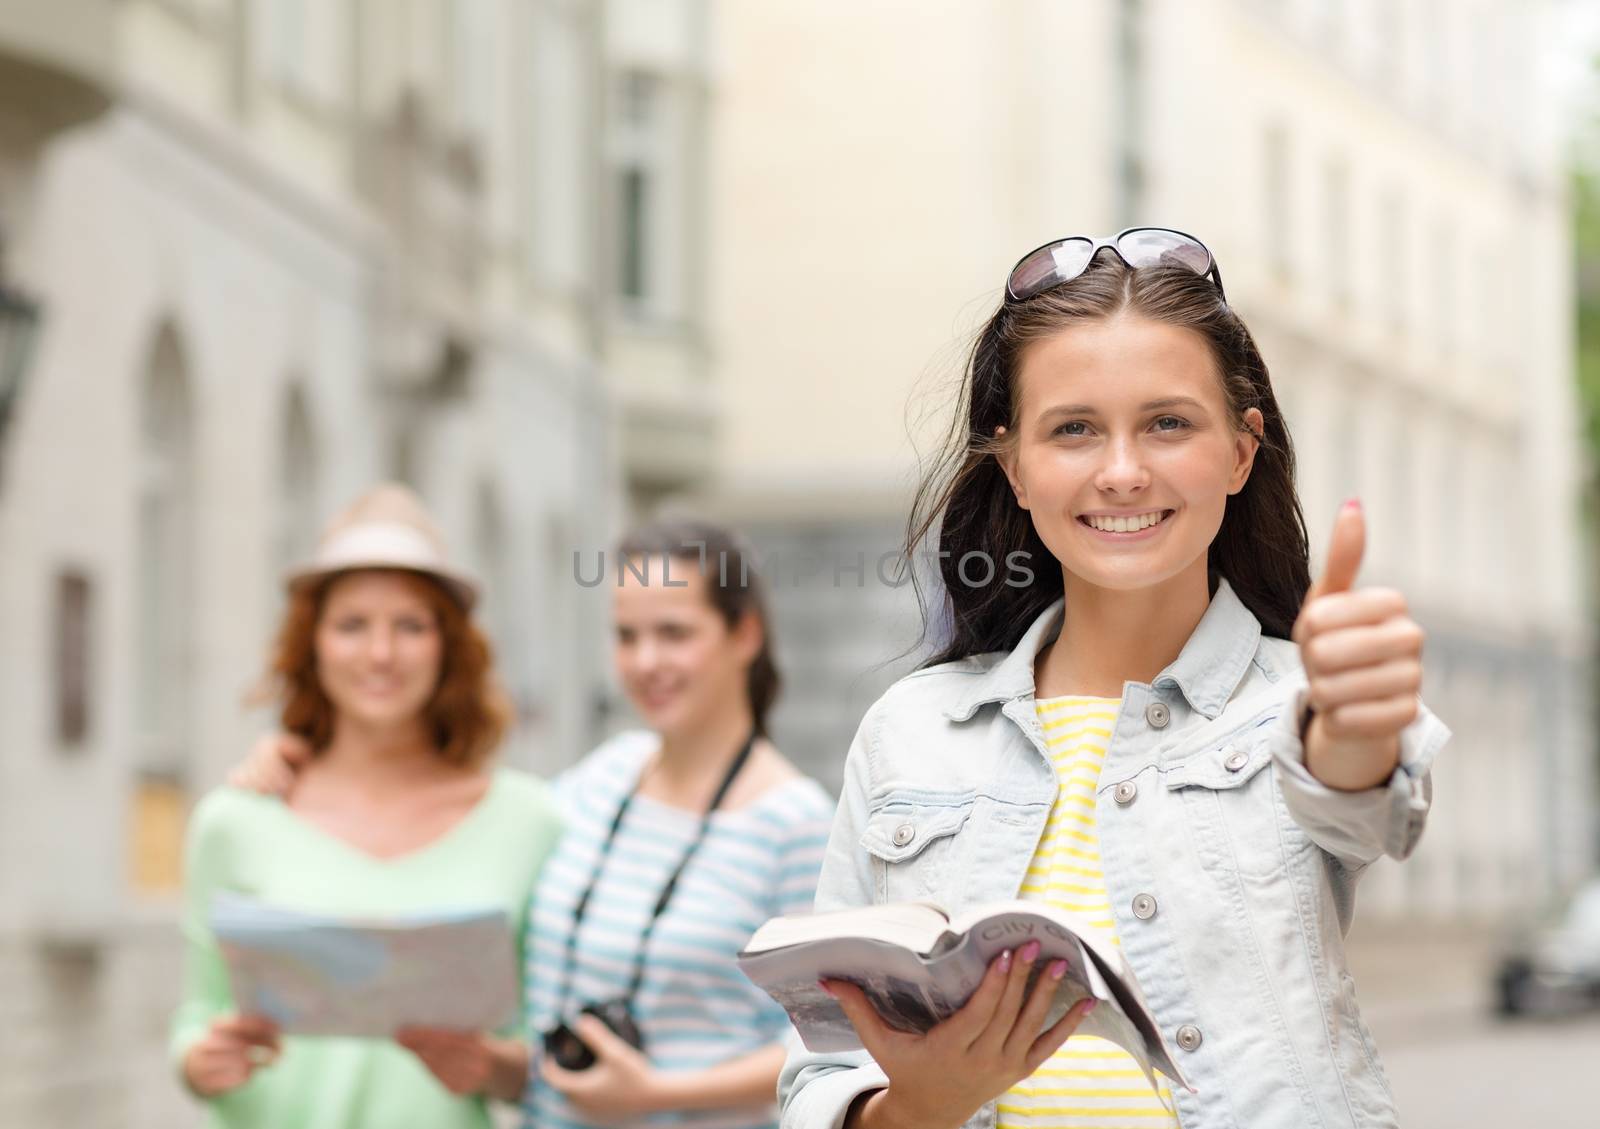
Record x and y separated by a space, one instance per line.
1049 265
1157 247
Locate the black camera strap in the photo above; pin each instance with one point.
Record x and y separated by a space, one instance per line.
579 910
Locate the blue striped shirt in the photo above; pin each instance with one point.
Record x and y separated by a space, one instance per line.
694 1007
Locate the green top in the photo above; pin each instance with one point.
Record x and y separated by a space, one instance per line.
255 845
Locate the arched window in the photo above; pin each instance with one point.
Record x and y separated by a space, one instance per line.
163 668
499 608
298 510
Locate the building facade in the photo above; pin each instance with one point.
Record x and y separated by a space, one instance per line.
1383 183
279 251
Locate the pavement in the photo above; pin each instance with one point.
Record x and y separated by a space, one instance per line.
1453 1064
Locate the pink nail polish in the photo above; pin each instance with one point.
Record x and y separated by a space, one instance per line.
1353 504
1058 969
1030 952
823 984
1093 1003
1005 961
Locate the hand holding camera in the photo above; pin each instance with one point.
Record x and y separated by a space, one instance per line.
618 1081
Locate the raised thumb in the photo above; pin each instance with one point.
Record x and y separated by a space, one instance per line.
1345 549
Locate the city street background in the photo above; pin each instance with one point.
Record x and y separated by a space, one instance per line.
1452 1064
563 264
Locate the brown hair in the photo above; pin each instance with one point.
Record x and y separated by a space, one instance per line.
468 712
965 501
732 585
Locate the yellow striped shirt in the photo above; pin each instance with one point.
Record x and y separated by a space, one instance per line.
1089 1083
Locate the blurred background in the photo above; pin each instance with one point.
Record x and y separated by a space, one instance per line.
560 263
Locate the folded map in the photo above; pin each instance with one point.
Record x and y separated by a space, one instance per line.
316 974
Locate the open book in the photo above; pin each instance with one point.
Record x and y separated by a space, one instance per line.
918 966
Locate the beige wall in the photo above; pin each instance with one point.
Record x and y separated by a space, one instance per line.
877 168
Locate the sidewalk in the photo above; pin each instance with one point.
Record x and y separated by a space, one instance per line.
1414 980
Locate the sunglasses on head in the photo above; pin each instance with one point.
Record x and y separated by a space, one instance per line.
1061 260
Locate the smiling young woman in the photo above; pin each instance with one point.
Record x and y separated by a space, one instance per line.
1135 737
382 677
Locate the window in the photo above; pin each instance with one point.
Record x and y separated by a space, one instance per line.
651 196
73 657
1336 232
303 45
634 194
299 516
501 608
1388 42
1325 24
558 99
164 659
1400 496
1347 435
1435 36
1444 268
1392 251
472 65
1130 102
1275 203
637 197
285 38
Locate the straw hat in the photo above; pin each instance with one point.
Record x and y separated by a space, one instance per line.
387 527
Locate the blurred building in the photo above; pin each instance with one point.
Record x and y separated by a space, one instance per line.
276 251
1382 182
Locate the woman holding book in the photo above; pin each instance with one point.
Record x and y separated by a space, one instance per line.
681 840
381 672
1165 728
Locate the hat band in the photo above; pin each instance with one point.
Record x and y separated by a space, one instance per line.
375 543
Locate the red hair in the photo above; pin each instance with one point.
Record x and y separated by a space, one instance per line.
468 713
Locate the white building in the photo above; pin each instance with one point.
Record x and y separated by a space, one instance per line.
1382 183
282 250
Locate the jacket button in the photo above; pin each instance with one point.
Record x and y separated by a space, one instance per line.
1157 714
1125 792
1188 1036
1236 760
904 834
1144 907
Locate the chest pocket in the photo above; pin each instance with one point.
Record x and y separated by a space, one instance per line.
1236 816
911 838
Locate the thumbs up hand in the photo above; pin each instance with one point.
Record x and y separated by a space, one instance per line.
1362 655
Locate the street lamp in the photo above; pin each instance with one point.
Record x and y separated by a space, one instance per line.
19 324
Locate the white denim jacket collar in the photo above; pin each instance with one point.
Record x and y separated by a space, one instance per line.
1206 671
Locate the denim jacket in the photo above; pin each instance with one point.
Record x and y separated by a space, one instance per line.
1243 865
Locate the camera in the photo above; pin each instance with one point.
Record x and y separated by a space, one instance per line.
570 1052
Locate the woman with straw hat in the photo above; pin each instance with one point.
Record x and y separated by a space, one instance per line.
381 671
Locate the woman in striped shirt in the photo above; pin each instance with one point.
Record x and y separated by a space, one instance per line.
693 652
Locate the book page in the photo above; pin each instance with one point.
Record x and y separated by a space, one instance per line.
897 983
911 925
1124 991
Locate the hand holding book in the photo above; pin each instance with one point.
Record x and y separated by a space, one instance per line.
915 969
946 1074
